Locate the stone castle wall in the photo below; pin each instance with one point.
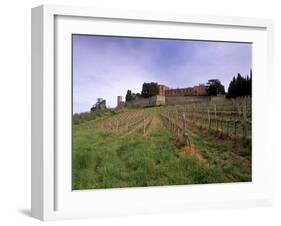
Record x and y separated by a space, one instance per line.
146 102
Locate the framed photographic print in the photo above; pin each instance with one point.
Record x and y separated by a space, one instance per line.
137 112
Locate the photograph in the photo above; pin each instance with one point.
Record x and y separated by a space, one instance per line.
152 111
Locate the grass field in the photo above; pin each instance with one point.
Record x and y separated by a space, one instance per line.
106 158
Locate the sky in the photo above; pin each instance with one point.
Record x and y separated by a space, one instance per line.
107 66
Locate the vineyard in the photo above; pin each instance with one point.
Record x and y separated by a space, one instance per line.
127 122
200 142
227 119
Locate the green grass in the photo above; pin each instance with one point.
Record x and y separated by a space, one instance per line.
233 159
109 160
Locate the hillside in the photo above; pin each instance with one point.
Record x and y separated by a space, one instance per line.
168 145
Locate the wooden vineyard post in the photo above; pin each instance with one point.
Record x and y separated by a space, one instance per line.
221 127
235 125
185 132
127 126
215 109
245 126
172 126
178 128
209 120
143 126
227 127
239 112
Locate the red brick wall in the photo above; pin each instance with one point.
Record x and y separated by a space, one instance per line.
162 90
200 90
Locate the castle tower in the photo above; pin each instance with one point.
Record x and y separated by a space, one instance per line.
119 100
162 90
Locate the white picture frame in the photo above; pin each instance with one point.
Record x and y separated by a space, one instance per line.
52 197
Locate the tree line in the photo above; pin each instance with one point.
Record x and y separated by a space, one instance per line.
240 86
148 90
215 87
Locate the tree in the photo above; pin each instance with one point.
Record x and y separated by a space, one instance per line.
240 86
150 89
136 96
132 96
99 105
215 87
250 83
129 95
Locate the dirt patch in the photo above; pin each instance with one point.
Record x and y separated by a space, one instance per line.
194 152
155 122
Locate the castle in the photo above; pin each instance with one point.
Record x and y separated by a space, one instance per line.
168 96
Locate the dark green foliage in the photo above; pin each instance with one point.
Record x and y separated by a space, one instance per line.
150 89
129 95
132 96
215 87
240 86
99 105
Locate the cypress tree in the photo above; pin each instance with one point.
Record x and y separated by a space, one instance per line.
240 86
